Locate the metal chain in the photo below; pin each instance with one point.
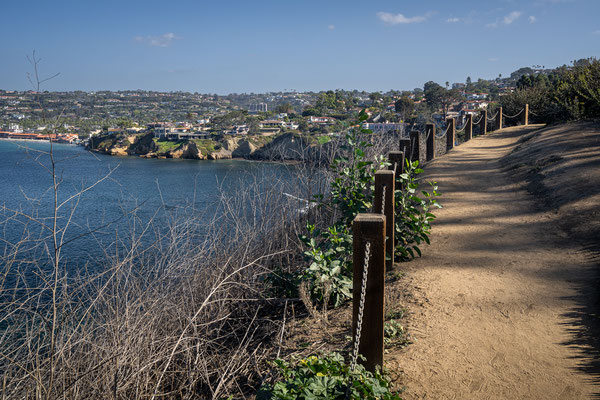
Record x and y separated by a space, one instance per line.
361 307
383 200
513 116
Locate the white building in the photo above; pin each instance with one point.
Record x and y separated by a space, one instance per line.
384 127
256 108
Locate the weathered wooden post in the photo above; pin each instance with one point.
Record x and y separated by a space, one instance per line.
405 147
483 123
368 231
384 204
415 146
499 119
525 119
397 162
450 133
469 128
430 142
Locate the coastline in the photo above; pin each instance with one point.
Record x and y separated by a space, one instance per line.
35 140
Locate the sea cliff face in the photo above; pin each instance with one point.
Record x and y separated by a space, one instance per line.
285 147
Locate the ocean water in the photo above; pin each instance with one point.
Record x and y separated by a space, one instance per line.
115 189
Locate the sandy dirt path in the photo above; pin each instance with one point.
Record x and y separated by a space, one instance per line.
493 293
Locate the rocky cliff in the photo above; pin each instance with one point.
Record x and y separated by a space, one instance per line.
285 147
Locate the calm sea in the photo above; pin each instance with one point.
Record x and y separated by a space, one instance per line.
152 188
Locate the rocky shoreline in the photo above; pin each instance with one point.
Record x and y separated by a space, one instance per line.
286 147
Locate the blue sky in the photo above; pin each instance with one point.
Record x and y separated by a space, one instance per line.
257 46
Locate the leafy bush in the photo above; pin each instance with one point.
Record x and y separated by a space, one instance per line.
413 223
326 377
567 94
354 178
329 274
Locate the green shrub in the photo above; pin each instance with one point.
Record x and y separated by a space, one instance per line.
326 377
568 93
413 221
329 273
164 146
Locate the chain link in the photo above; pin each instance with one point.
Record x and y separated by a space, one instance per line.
383 200
361 306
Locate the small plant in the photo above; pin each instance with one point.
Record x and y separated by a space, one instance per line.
413 225
395 334
397 314
329 252
329 275
326 377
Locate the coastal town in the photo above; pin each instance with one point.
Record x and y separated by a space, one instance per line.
75 117
296 200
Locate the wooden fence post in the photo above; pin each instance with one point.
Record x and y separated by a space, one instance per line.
525 119
450 133
384 204
397 160
469 128
430 143
405 147
415 146
499 119
483 123
369 228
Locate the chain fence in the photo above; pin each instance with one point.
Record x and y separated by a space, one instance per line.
361 307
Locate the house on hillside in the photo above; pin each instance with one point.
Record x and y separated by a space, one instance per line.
321 120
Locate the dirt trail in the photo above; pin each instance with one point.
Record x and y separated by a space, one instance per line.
493 294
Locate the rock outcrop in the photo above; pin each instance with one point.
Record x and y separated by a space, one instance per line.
286 147
143 144
245 149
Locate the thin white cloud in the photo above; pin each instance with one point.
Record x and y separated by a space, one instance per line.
331 27
512 17
507 20
395 19
453 20
163 40
532 19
